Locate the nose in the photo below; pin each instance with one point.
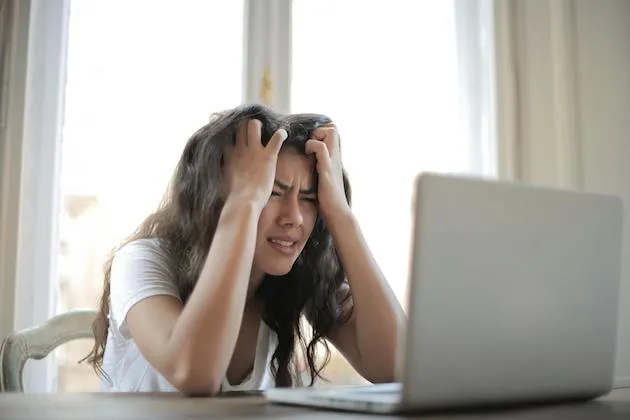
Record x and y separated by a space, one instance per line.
290 212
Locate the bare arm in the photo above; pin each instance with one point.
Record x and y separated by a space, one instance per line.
191 346
370 337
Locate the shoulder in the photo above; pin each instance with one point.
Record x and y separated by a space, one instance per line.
142 252
140 269
140 263
146 247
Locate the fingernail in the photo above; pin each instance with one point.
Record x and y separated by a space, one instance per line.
283 133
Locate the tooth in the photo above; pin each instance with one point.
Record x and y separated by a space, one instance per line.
283 243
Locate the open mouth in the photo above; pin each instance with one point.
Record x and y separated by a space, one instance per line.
285 246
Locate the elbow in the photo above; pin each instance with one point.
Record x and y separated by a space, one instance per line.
192 370
383 369
193 381
382 379
382 376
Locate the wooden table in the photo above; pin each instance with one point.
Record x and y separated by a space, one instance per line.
175 407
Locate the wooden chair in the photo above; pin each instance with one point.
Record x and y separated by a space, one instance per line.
37 342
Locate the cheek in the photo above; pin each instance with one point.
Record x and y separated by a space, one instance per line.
265 220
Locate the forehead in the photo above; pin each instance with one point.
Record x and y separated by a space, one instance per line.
294 167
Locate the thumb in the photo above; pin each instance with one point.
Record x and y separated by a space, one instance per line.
276 141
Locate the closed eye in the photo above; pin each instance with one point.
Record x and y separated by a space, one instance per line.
308 199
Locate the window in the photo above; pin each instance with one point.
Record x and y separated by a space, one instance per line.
388 74
142 76
392 91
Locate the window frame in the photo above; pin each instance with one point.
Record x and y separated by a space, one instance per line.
34 75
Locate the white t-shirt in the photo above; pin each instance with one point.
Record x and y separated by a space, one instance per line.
142 269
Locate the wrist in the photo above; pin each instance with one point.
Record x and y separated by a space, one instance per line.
339 219
238 203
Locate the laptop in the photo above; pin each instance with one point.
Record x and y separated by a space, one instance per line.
512 299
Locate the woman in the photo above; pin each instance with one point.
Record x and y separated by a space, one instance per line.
254 231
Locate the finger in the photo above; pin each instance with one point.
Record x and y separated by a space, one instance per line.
329 135
320 150
254 131
241 134
276 141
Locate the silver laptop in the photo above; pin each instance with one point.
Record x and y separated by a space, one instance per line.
513 297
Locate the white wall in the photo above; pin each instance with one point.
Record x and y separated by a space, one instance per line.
563 107
603 58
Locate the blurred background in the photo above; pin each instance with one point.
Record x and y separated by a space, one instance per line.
99 97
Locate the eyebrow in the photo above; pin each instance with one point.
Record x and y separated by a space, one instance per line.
285 187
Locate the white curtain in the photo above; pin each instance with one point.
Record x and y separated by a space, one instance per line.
563 101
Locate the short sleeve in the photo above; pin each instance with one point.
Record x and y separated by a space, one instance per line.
140 269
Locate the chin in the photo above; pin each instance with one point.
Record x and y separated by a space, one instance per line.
273 264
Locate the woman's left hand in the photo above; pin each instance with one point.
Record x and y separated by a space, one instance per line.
331 196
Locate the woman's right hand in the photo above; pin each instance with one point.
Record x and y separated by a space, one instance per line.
250 166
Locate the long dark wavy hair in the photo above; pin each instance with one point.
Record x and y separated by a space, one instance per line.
185 223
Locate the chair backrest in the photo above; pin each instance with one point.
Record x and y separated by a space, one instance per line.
37 342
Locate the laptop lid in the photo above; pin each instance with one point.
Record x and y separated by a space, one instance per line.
513 293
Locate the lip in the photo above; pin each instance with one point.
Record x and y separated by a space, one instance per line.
289 238
286 250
